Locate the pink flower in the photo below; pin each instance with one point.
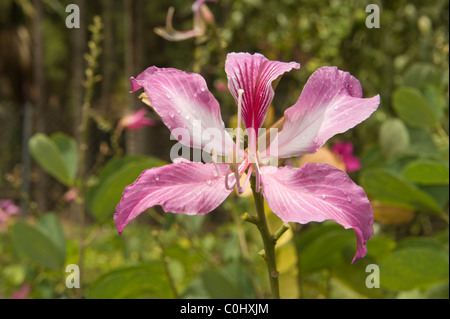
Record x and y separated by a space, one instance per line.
22 293
202 15
136 121
7 209
345 151
330 103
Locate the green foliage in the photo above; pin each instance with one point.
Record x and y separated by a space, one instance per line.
141 281
43 243
57 155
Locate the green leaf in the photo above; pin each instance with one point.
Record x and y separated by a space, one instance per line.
50 225
389 188
37 245
435 98
414 267
219 286
48 155
412 107
394 138
423 142
116 175
421 74
142 281
68 149
427 172
324 246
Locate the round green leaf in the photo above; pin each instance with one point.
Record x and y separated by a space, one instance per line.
48 155
412 107
427 172
37 246
68 149
399 145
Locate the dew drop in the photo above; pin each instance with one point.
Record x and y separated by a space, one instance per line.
349 199
156 178
324 196
172 115
168 96
208 182
214 173
195 94
316 140
203 89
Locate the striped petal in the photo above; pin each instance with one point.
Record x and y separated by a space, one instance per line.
254 74
330 103
183 187
186 107
317 192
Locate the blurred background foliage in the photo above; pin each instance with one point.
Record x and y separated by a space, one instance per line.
67 204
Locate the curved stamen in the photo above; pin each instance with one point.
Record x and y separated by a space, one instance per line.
227 186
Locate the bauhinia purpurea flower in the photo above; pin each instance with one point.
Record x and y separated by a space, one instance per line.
331 103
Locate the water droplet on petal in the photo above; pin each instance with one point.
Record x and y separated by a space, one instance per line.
156 178
195 94
316 140
349 199
214 173
324 196
172 115
208 182
168 96
203 89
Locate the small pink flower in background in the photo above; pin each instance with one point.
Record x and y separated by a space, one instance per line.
345 151
136 121
331 103
22 293
7 209
202 15
71 195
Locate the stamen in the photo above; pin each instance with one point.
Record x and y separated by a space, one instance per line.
249 173
238 140
214 160
228 187
257 177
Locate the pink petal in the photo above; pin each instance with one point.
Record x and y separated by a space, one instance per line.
186 106
183 187
254 74
330 103
316 192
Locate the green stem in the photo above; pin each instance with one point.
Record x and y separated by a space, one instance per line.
269 242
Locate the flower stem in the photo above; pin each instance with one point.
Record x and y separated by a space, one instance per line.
268 241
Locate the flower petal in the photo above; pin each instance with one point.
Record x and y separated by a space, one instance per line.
330 103
254 74
183 187
186 107
316 192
